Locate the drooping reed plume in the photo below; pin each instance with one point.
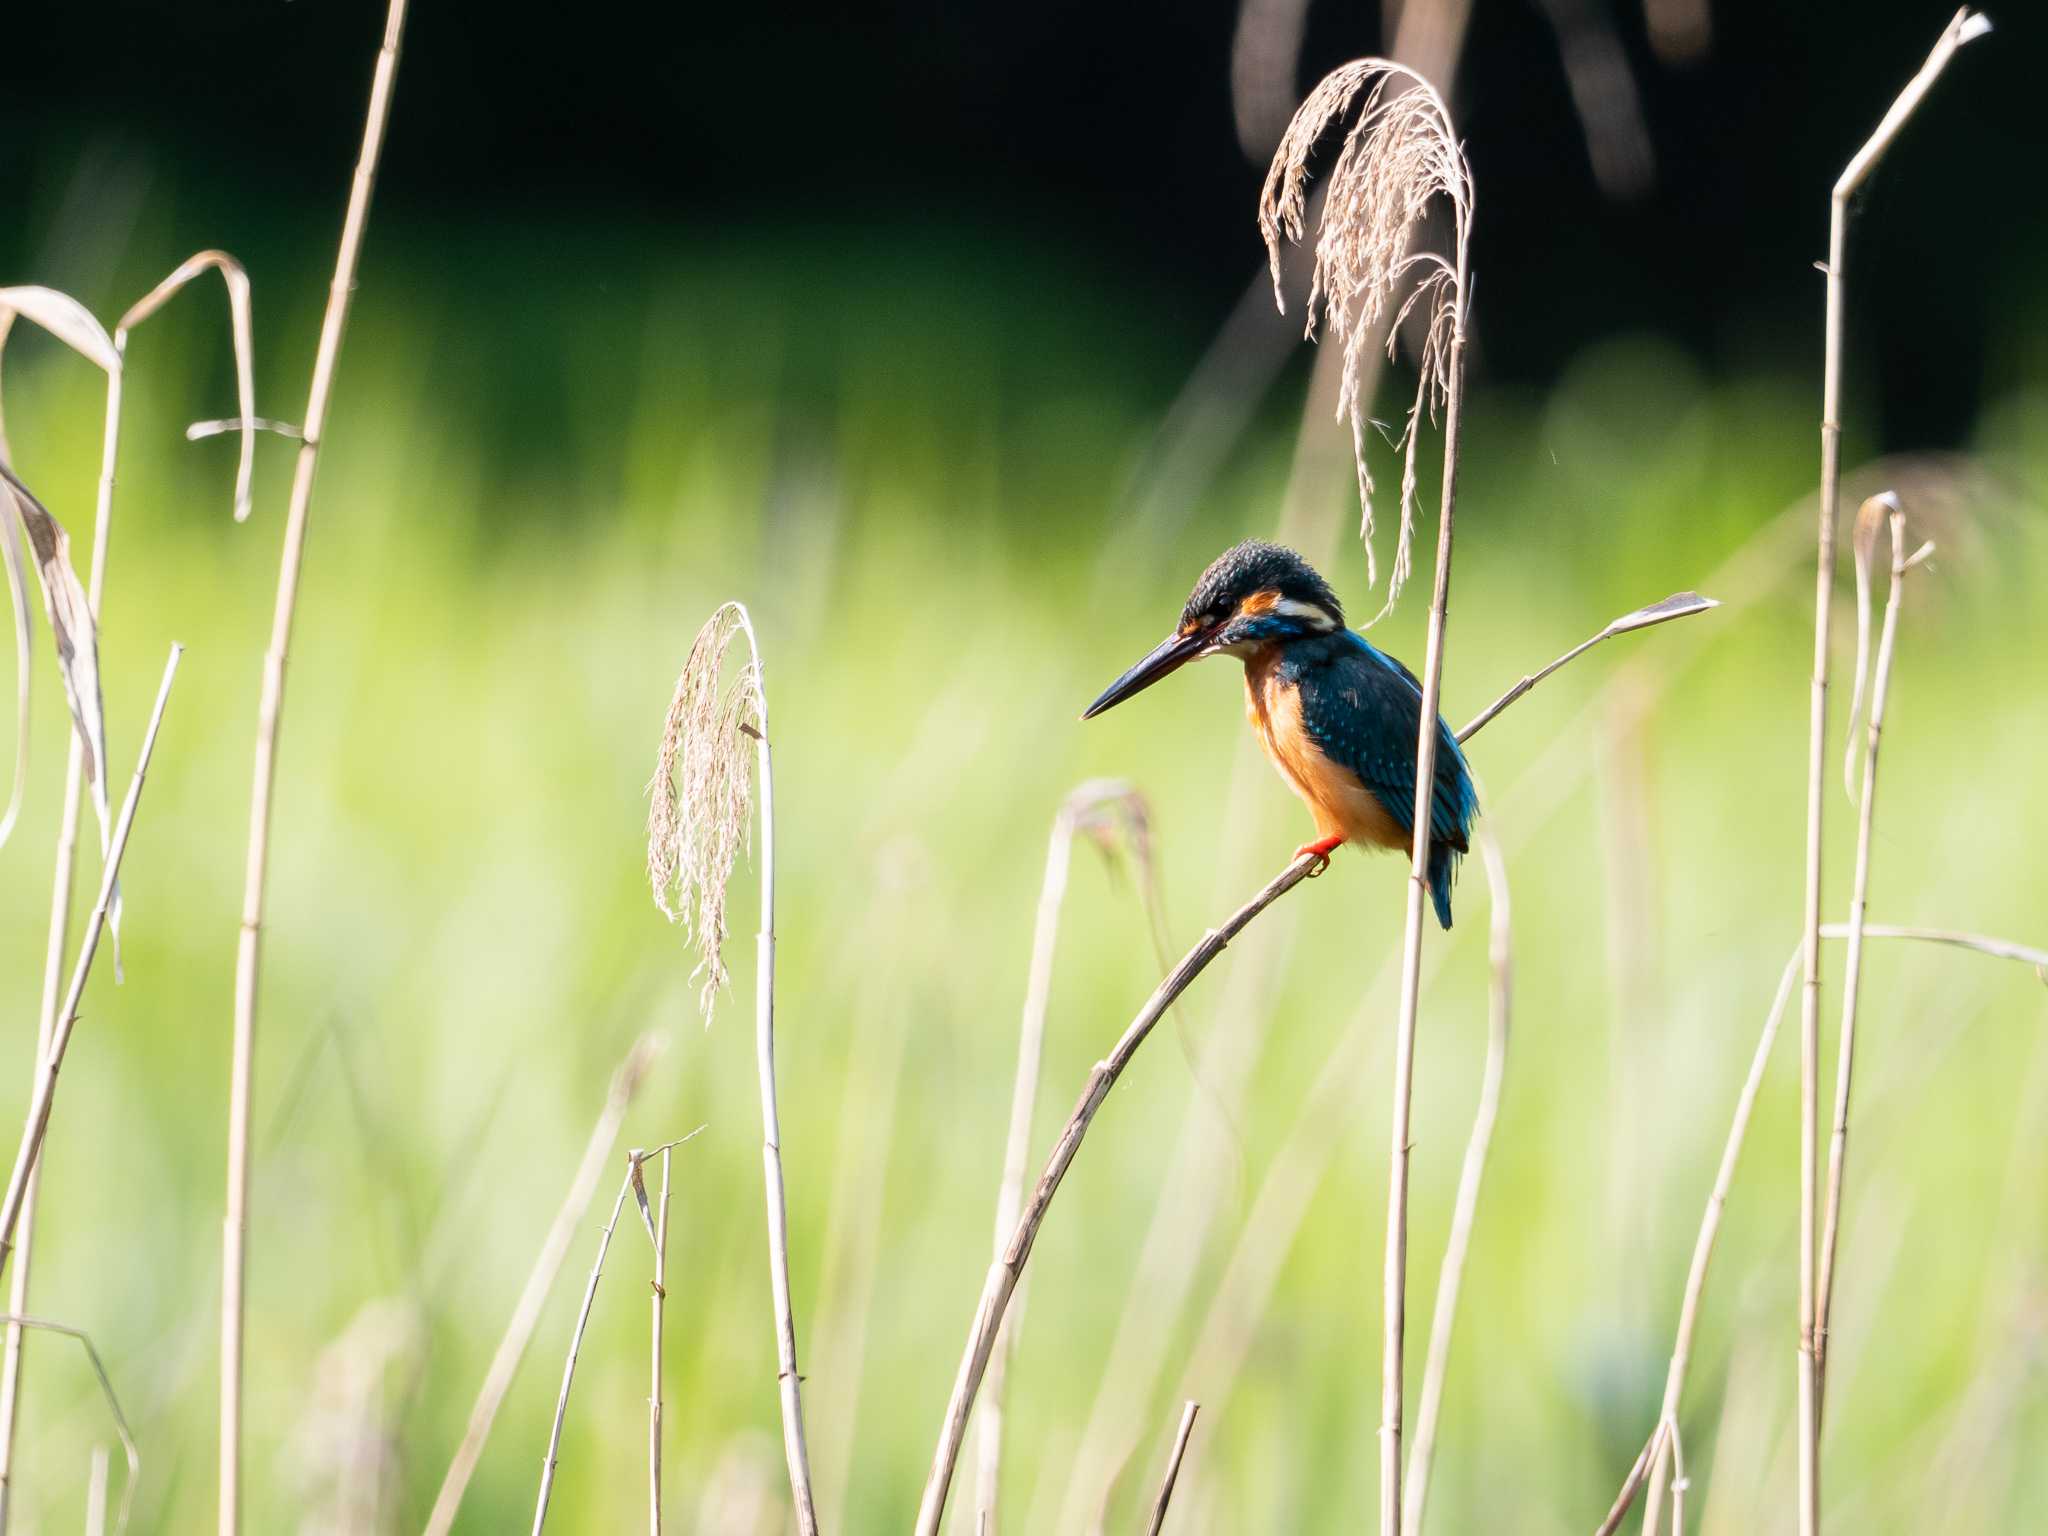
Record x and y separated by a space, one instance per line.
696 825
1400 157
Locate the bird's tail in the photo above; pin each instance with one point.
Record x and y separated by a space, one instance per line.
1443 862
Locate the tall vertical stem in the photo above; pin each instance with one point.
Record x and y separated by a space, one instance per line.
1393 1374
65 867
1963 27
795 1451
235 1225
1859 900
654 1400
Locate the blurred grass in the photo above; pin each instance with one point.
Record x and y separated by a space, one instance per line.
536 489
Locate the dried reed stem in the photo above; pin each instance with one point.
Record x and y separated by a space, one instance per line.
52 1062
1710 1227
128 1445
1636 1477
1676 1445
1731 1152
1878 509
1008 1269
1962 28
695 826
1173 1461
1451 1274
547 1467
660 1297
625 1083
1083 808
237 283
270 712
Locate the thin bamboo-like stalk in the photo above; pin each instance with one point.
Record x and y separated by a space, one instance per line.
1676 1445
237 283
796 1452
1710 1227
1023 1106
1738 1128
1395 1278
270 712
660 1298
1962 28
1008 1269
1859 903
547 1466
1451 1274
52 1062
632 1180
625 1084
1173 1461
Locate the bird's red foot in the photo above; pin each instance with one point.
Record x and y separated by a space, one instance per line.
1322 848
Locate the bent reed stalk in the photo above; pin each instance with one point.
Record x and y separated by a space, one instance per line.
270 714
64 866
1005 1273
1963 27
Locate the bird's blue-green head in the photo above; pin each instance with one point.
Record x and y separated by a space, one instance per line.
1254 595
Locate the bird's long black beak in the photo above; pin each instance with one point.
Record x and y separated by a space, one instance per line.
1169 655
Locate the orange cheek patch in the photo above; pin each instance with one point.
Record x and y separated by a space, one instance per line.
1259 602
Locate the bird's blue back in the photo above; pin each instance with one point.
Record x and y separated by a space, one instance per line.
1361 707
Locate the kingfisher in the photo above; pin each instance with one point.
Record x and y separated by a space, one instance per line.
1337 716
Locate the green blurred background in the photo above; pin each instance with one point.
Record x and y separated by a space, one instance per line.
941 461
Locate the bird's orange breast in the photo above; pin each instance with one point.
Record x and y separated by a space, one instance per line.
1336 797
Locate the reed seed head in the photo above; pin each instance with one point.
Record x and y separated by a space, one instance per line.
701 796
1400 155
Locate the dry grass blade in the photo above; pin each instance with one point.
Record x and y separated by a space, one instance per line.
1879 511
1173 1461
53 1059
1099 809
1400 155
625 1083
99 1369
1637 1475
1008 1270
695 826
701 795
237 281
1451 1273
13 556
631 1182
658 1232
263 776
1679 605
1963 27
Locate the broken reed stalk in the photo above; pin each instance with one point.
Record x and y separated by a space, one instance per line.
237 283
660 1297
1963 27
1173 1461
626 1185
128 1445
1008 1269
1451 1273
1878 510
52 1062
270 713
1081 810
625 1083
695 825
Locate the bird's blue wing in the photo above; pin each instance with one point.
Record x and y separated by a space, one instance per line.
1361 707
